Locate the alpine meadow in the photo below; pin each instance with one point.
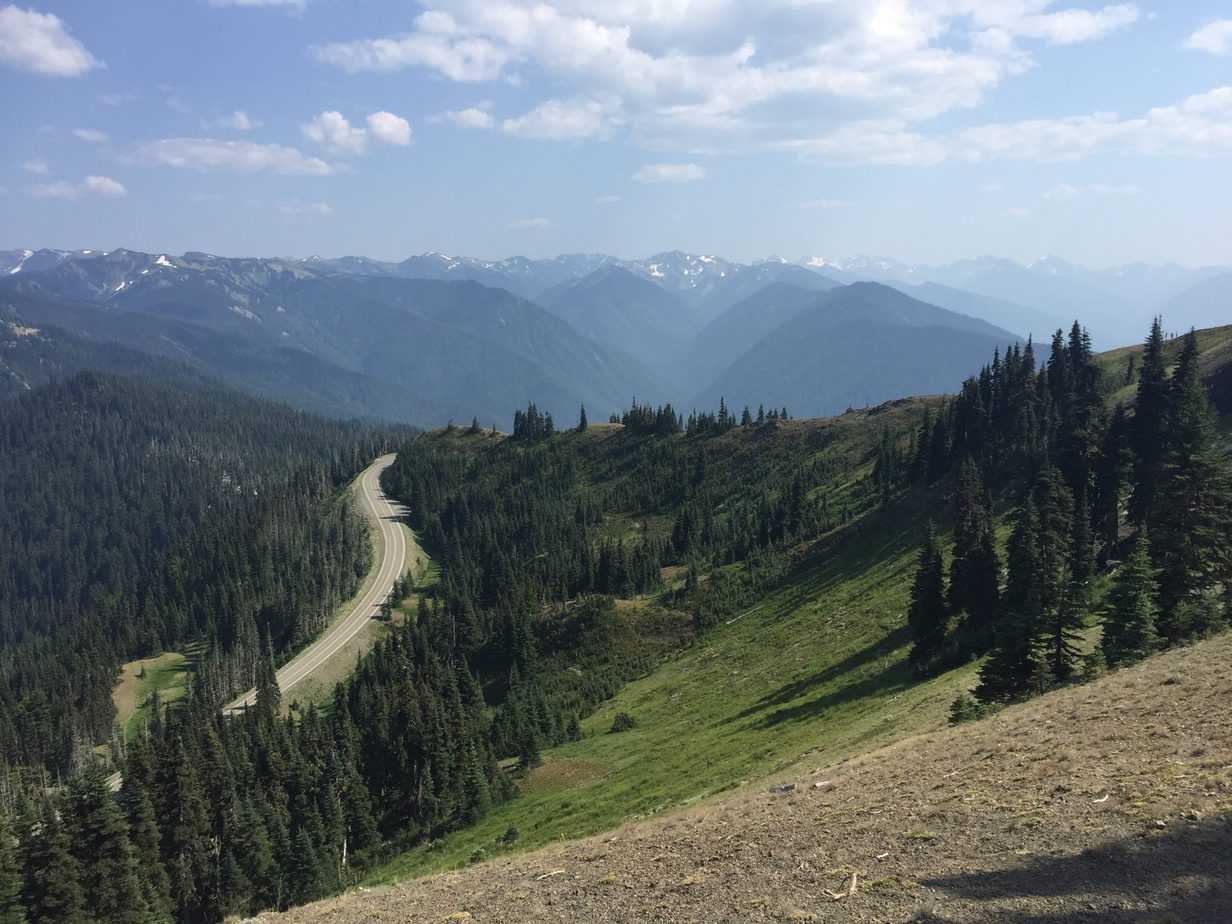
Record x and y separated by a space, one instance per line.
344 579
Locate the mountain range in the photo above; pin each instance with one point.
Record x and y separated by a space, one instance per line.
437 337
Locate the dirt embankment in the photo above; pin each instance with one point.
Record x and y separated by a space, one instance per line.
1106 802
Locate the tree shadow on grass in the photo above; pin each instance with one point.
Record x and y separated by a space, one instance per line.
1182 876
894 678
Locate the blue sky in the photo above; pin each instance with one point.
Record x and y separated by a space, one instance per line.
928 131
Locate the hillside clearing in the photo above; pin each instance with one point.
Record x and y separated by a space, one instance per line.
1108 801
167 674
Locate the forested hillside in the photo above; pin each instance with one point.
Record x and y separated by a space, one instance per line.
139 516
632 614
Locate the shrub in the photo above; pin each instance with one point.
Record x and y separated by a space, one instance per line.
966 709
622 722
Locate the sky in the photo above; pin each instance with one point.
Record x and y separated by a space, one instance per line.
925 130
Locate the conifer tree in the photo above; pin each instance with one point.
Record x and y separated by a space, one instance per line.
477 796
1129 621
1014 665
12 911
145 836
582 423
1194 513
52 874
927 615
186 833
269 694
1150 425
974 573
1113 468
1066 623
99 837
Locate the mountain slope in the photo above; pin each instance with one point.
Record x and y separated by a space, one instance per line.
406 349
727 337
1107 801
744 282
855 346
614 307
1203 305
1014 317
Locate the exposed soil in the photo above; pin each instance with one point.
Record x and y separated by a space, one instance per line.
1105 802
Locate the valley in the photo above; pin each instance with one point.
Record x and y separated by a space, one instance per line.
692 461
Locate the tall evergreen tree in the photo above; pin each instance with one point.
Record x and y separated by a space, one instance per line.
99 835
1014 663
1132 611
927 616
144 833
1194 514
582 423
187 834
53 889
1150 425
974 572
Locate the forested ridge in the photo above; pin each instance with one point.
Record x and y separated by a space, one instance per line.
139 516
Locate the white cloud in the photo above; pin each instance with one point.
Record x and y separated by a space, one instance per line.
321 209
1067 27
606 200
1198 126
91 135
1214 38
389 128
37 165
683 68
464 59
332 130
670 173
40 43
471 117
238 120
823 204
564 120
207 154
103 186
1063 192
530 224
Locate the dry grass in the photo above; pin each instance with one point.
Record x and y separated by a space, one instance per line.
1108 802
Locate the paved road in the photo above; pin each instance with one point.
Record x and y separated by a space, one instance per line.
378 508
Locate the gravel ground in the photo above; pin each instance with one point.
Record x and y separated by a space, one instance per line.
1105 802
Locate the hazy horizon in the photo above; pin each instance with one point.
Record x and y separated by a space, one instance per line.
931 131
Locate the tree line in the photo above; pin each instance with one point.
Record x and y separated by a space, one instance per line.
1144 491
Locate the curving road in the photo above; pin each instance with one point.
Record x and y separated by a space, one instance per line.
382 512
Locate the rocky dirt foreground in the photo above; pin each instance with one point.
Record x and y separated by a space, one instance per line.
1109 802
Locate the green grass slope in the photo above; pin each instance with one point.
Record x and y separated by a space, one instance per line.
813 672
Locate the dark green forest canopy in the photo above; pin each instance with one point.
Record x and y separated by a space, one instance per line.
140 515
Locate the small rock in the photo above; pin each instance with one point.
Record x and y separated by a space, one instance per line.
1160 823
459 916
1193 815
822 784
783 787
